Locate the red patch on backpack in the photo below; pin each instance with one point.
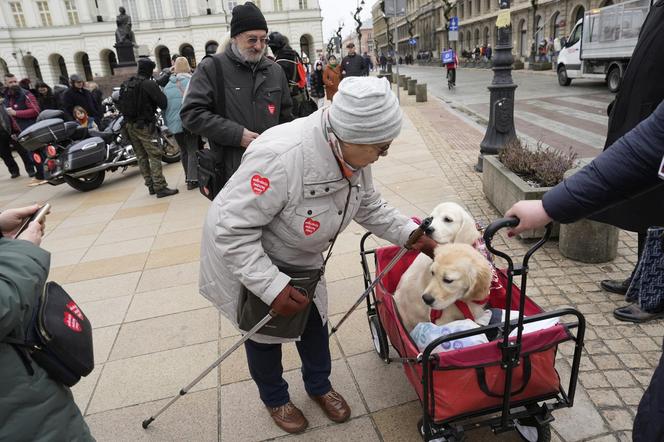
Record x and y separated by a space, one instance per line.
71 322
259 184
72 307
310 226
271 108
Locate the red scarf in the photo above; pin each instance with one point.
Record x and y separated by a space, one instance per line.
465 310
333 141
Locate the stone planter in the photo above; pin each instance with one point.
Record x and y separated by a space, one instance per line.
541 66
518 65
503 188
588 241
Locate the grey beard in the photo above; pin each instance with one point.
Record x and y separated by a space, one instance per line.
239 55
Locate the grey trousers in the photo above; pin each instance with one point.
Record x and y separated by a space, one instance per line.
188 146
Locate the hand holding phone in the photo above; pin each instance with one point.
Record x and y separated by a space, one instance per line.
38 216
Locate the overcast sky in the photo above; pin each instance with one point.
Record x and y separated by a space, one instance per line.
336 11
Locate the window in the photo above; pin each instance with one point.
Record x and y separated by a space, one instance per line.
231 5
17 12
156 11
470 9
72 12
180 8
132 10
44 13
303 4
278 5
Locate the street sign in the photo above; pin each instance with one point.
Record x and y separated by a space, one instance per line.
453 35
412 41
454 24
395 8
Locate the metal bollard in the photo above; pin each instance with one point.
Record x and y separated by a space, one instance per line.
411 87
405 83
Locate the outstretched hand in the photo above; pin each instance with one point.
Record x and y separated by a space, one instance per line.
531 215
11 220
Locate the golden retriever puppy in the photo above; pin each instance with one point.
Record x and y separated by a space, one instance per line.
451 223
459 273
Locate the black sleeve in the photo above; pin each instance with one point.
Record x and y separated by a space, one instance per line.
627 168
163 78
156 95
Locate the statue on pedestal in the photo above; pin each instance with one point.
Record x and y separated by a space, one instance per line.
123 34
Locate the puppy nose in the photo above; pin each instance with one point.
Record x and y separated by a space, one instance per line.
428 299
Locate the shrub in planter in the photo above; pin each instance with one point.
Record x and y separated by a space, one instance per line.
518 64
541 66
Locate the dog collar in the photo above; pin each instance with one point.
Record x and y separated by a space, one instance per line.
434 315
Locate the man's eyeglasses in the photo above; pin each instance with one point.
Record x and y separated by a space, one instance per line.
253 40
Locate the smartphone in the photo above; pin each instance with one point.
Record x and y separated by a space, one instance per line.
38 216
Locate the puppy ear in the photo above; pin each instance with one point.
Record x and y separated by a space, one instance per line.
480 281
467 233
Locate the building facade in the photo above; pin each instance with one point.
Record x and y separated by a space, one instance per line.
425 24
51 39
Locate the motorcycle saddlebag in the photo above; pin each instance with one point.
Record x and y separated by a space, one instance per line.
85 153
46 132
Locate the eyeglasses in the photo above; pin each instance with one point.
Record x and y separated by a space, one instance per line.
253 40
382 150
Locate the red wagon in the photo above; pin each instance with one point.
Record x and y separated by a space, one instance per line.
508 384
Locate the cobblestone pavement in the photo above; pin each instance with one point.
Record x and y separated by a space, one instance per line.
132 263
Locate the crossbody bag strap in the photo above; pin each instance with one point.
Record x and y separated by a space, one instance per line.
336 235
220 86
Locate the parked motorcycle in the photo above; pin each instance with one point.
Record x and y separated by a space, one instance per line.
69 153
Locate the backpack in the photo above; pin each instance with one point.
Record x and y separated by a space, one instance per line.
130 98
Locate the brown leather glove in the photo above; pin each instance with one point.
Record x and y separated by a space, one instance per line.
425 245
289 301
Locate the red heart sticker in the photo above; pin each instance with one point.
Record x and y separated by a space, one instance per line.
271 108
71 322
310 226
259 184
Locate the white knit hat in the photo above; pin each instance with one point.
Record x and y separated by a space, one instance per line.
365 111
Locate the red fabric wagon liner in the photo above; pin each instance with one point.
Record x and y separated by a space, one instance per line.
471 379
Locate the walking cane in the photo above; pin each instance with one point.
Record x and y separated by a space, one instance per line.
186 389
423 229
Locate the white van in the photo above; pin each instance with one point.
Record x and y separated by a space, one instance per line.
601 43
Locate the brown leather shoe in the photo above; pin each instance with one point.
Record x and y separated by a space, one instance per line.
289 418
334 406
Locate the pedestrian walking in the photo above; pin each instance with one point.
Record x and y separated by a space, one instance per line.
640 92
331 77
260 100
627 168
144 97
77 95
352 65
317 84
22 107
188 142
32 405
8 130
298 187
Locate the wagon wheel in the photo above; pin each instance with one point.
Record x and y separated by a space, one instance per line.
451 438
378 336
530 430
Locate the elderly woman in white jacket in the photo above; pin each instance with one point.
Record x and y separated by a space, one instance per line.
298 186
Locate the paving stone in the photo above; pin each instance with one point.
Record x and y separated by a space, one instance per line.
618 419
596 347
645 344
631 396
360 430
619 378
620 346
606 362
635 360
643 376
594 380
604 397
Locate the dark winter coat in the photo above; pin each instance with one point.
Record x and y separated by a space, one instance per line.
47 101
151 98
641 91
73 97
255 98
25 105
287 58
354 66
317 84
626 169
33 407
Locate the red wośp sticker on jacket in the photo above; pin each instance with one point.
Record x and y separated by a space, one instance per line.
259 184
310 226
271 108
72 307
71 322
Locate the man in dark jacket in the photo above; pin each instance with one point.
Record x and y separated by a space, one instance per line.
21 107
287 58
641 90
629 167
238 94
76 95
352 64
32 405
141 130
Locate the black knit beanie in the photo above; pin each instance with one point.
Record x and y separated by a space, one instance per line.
247 17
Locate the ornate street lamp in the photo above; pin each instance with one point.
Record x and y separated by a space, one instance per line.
99 17
338 34
358 28
501 106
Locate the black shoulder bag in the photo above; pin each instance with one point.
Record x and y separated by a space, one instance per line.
211 169
58 338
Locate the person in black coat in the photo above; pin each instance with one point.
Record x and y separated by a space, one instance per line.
76 95
287 58
45 96
352 64
641 90
629 167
